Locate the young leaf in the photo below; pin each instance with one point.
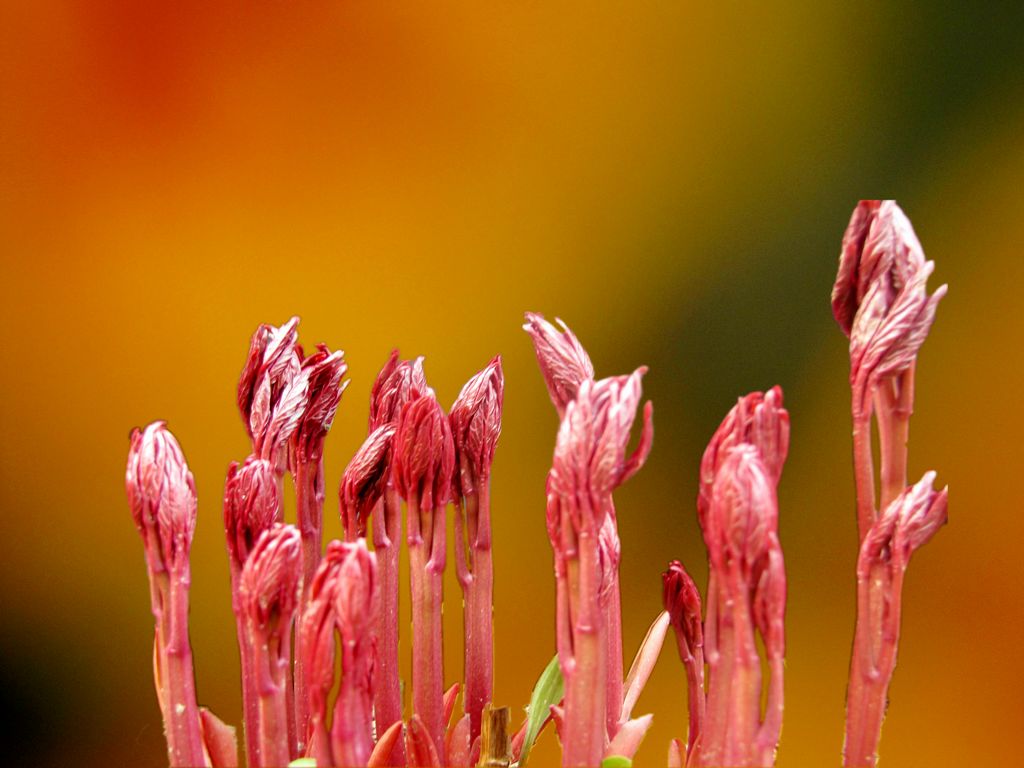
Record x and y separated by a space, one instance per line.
549 690
616 761
303 762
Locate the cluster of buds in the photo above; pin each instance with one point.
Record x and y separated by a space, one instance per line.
881 303
589 463
318 629
738 512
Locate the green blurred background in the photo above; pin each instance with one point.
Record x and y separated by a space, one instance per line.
672 180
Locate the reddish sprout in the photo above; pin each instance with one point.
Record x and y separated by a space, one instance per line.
161 494
563 360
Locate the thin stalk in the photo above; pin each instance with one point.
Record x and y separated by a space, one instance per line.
863 467
874 660
477 578
184 735
426 566
585 724
721 643
271 661
771 727
250 693
894 403
745 700
613 658
388 695
695 696
309 495
352 728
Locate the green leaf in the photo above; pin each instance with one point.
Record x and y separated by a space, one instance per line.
549 690
303 762
616 761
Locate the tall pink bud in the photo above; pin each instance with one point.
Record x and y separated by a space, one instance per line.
476 424
324 372
343 602
682 601
272 393
398 382
252 504
424 456
743 516
423 464
269 589
881 302
356 603
320 377
563 360
758 419
365 480
162 497
746 595
589 463
880 254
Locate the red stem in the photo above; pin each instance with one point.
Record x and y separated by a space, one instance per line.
270 662
184 734
874 660
771 727
426 539
477 579
585 726
388 694
863 465
352 729
250 697
745 700
894 402
693 662
613 659
309 494
720 643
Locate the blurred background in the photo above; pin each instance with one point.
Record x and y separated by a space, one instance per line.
671 180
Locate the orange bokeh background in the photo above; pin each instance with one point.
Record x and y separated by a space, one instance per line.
672 180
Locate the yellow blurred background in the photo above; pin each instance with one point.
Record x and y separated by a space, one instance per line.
672 180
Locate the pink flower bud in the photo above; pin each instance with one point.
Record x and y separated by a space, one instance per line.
317 646
742 519
355 601
396 384
476 423
252 503
271 580
880 251
424 455
908 523
886 336
682 601
162 495
563 360
271 364
324 371
880 298
590 450
365 480
758 419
